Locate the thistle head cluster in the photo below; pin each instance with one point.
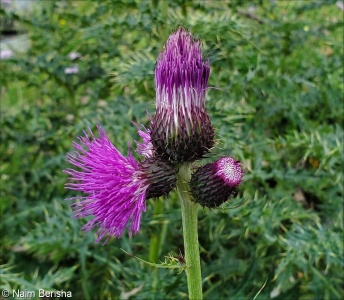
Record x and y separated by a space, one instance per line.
116 187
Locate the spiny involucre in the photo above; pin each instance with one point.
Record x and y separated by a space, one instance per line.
213 184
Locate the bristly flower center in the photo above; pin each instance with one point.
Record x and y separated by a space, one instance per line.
229 170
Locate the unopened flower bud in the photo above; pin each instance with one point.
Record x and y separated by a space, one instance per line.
213 184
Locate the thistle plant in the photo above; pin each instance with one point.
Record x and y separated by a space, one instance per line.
180 133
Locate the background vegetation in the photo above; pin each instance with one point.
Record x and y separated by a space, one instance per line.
276 101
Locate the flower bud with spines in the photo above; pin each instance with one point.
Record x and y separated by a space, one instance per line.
181 130
214 183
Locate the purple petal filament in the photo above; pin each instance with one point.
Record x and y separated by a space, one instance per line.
146 148
181 75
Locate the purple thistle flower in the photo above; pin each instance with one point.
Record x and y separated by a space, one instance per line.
181 129
116 186
213 183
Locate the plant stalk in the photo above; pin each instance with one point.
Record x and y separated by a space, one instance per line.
190 233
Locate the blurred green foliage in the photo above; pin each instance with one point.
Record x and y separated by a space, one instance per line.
276 100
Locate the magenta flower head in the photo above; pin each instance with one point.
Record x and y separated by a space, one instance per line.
181 129
213 184
116 187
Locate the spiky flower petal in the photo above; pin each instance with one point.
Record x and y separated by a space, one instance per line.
146 148
181 129
116 187
213 184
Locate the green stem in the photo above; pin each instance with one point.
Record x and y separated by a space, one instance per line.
190 232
